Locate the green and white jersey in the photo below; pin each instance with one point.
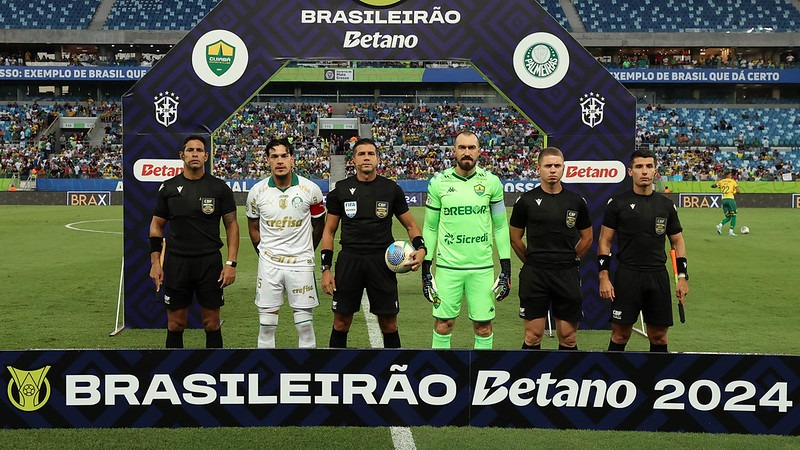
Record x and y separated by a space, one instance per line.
458 218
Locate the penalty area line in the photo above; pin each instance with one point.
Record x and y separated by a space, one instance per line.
402 438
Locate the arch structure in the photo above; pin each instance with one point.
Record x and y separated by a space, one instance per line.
235 50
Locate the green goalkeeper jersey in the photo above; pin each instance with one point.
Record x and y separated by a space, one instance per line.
462 215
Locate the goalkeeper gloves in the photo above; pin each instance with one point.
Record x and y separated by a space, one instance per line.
429 284
502 286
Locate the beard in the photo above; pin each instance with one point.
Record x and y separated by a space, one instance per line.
466 164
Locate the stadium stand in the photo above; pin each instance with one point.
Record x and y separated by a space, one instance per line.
157 15
614 16
47 15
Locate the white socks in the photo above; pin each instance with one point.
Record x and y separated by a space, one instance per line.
303 321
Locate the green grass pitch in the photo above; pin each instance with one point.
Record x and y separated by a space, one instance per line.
60 279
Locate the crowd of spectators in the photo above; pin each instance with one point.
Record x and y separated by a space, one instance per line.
677 61
415 141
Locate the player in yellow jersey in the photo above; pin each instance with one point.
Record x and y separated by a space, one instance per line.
728 186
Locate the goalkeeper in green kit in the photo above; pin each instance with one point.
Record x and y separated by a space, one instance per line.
464 213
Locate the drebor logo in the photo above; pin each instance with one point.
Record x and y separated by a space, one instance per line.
593 172
157 170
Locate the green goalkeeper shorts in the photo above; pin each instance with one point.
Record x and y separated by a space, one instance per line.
475 284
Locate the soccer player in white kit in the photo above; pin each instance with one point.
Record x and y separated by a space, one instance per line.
285 218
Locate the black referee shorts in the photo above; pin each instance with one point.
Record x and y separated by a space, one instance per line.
648 292
187 276
356 272
540 288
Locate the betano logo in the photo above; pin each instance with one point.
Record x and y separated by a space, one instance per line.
604 172
28 390
220 58
157 170
380 3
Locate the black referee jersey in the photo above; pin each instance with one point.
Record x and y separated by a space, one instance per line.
194 209
365 209
552 223
642 223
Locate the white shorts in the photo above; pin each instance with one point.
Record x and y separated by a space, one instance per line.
273 281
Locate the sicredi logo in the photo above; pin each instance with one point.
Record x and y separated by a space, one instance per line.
541 60
157 170
593 172
220 58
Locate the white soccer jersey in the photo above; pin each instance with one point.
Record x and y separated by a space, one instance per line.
284 218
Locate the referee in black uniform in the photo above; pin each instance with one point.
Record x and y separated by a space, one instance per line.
365 204
642 219
559 234
193 203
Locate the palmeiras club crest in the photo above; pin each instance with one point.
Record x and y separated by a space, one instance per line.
592 109
166 104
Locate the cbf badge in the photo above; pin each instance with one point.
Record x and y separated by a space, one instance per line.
207 205
350 209
381 209
572 217
661 225
480 189
28 390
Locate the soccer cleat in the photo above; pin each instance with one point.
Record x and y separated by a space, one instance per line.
719 228
731 233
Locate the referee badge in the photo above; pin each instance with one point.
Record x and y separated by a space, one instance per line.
661 225
207 205
381 209
572 217
350 209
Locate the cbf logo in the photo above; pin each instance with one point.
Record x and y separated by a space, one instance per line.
572 217
592 106
220 58
28 390
661 225
166 104
541 60
207 205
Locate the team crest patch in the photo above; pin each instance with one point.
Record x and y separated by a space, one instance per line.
350 209
297 202
283 201
661 225
207 205
572 217
381 209
480 189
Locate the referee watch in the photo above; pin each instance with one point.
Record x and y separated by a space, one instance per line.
231 263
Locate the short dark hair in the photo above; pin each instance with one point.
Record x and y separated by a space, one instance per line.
195 137
281 141
466 132
365 141
642 152
551 151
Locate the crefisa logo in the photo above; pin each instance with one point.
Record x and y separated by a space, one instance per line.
220 58
28 390
541 60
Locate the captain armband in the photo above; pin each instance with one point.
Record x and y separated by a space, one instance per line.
603 262
155 244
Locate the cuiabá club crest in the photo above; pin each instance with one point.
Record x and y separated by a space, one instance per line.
220 56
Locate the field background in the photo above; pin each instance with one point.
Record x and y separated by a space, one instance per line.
59 281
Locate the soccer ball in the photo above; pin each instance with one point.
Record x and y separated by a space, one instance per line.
744 230
397 254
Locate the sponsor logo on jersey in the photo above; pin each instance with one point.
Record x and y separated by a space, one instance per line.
451 239
28 390
592 106
572 216
602 172
166 104
465 210
480 189
541 60
157 170
381 209
661 225
207 205
350 209
220 58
